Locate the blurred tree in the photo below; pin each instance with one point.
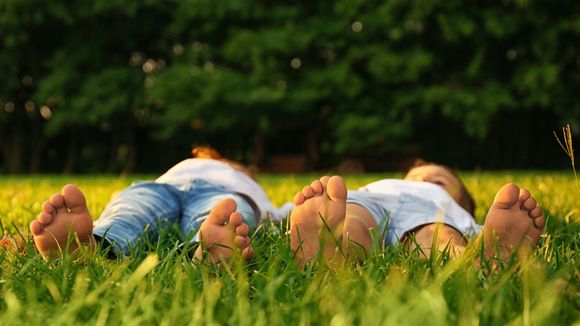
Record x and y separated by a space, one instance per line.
124 85
19 64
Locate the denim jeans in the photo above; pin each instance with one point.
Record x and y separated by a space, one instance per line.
146 207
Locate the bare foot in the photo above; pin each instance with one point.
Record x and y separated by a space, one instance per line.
322 199
224 232
514 223
65 216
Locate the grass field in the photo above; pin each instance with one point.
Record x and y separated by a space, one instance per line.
160 285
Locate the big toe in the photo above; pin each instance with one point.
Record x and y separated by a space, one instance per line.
220 212
74 199
507 196
336 188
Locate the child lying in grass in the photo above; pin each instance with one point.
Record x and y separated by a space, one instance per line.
209 194
429 208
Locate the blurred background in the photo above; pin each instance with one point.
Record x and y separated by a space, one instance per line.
286 86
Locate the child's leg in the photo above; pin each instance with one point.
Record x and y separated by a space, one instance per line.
357 234
363 210
220 220
408 219
439 236
142 209
360 224
351 225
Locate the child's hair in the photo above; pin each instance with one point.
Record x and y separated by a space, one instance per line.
465 199
211 153
206 152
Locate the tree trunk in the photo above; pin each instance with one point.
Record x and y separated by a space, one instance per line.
15 150
131 137
72 153
113 148
258 158
36 146
313 155
3 152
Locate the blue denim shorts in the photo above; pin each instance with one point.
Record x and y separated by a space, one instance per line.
146 207
397 215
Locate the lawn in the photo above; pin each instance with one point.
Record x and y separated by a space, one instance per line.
160 285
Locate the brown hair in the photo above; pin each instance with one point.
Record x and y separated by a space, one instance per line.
465 199
206 152
211 153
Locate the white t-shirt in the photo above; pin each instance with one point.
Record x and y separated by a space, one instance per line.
425 190
222 174
447 207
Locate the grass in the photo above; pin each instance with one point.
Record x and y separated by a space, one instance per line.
159 285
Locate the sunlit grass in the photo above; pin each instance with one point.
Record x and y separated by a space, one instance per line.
568 147
160 285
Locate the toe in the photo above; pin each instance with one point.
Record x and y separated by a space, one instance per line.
308 192
243 229
57 200
539 222
317 187
299 198
241 241
248 253
36 228
47 207
524 195
220 212
529 204
536 212
336 188
74 200
44 218
507 196
324 180
236 219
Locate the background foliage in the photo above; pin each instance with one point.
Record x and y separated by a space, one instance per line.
131 85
